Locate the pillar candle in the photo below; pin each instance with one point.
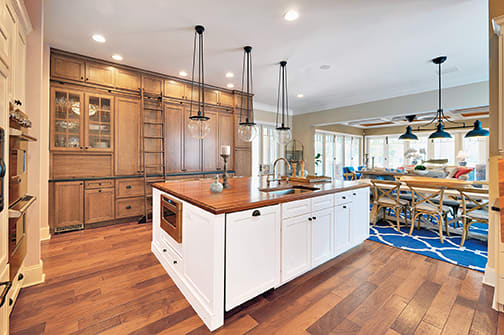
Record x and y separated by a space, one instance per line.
225 150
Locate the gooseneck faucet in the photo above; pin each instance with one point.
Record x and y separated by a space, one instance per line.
268 180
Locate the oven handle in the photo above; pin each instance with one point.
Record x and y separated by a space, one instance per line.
6 289
165 203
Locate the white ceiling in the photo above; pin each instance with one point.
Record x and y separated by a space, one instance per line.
377 49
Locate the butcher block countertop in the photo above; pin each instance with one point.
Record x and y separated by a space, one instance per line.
245 193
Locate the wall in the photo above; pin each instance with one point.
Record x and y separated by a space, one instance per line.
341 128
453 98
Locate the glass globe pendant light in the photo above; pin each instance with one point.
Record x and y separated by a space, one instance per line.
247 130
198 125
283 132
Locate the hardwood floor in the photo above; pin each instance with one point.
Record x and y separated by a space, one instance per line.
106 281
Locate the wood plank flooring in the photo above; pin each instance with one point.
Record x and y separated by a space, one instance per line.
106 281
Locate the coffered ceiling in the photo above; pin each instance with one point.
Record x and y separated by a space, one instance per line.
374 49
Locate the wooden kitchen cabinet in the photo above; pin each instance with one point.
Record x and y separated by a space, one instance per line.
174 134
211 143
192 148
252 254
99 121
67 119
127 136
226 136
67 68
225 99
100 74
175 89
212 96
152 85
127 80
68 205
19 69
99 205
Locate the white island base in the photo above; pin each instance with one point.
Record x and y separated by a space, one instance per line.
227 259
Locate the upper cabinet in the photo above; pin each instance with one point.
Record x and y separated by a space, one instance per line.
67 68
153 85
175 89
77 126
100 74
127 136
127 80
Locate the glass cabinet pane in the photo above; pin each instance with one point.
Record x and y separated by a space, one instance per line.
67 119
99 122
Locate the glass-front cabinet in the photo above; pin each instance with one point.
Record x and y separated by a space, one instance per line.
81 121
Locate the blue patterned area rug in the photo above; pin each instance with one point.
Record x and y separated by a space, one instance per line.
472 255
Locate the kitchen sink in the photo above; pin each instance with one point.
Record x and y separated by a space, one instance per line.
288 189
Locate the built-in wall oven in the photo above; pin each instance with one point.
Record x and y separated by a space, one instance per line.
171 217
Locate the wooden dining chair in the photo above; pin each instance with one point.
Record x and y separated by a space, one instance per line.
386 196
349 176
427 199
474 209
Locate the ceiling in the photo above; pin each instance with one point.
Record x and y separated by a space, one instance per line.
376 49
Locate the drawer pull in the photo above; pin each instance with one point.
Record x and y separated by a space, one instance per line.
354 193
21 276
128 187
164 250
99 191
314 218
343 197
344 206
174 262
11 301
99 184
309 219
256 213
128 207
6 289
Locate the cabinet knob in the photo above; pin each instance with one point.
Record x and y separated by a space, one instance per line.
80 183
174 262
343 197
11 301
99 184
354 193
128 187
82 78
164 250
86 148
309 219
344 206
21 276
81 148
127 207
99 191
314 218
256 213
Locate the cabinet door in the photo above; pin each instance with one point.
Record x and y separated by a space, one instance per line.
20 69
252 254
152 85
211 143
128 80
67 118
341 228
174 89
296 246
359 215
4 215
99 205
192 148
100 74
226 99
68 204
99 121
226 136
127 136
67 68
243 162
322 235
174 135
212 96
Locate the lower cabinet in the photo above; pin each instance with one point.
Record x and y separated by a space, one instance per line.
296 246
68 205
99 205
252 254
359 213
341 227
322 225
129 207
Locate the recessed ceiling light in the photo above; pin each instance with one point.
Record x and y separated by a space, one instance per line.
291 15
117 57
300 95
229 75
99 38
230 85
182 73
325 67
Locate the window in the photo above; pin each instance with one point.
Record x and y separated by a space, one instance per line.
265 150
476 150
444 149
395 152
336 151
376 151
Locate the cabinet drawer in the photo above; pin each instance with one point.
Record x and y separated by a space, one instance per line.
129 188
171 257
17 283
90 184
129 207
342 198
295 208
323 202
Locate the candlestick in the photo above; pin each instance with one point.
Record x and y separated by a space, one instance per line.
225 183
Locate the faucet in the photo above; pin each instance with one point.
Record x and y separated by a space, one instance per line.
268 180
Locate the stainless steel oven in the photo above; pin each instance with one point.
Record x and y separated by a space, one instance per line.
171 217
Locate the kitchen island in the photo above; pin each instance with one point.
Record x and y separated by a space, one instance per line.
224 249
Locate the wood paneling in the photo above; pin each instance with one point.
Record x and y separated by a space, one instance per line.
100 74
129 187
69 165
99 205
192 148
127 137
69 204
174 134
115 285
128 207
226 137
211 143
128 80
67 68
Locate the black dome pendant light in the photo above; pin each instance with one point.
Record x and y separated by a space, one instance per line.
439 133
283 132
408 135
198 125
248 129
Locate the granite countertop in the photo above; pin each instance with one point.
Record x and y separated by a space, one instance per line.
245 193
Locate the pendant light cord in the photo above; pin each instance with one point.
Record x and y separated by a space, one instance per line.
192 74
198 45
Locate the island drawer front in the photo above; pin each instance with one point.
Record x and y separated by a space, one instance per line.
342 198
129 207
170 256
296 208
129 188
90 184
322 202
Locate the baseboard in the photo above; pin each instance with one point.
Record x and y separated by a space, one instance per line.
45 234
489 277
34 275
